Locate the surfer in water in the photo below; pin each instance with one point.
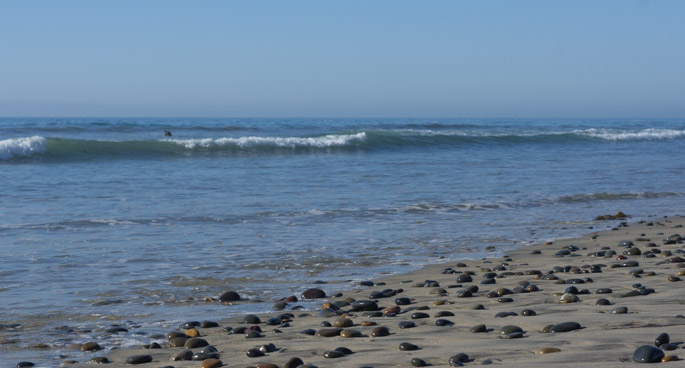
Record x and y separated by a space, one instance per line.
167 133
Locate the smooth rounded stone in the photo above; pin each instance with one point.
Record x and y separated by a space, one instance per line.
575 281
568 298
376 314
402 301
406 346
444 314
192 332
267 348
333 354
252 334
478 328
565 327
364 305
209 349
571 290
252 319
419 315
195 342
602 301
505 314
344 350
548 351
418 362
505 300
478 307
343 322
327 313
619 310
313 293
631 293
368 323
504 291
464 279
177 342
329 332
464 294
229 296
152 345
206 355
279 306
395 309
662 339
458 358
407 324
670 358
91 346
443 322
668 347
293 362
513 335
141 359
439 291
100 360
648 354
266 365
508 329
209 324
348 332
190 324
528 313
380 331
254 353
211 363
274 321
237 331
25 364
604 291
488 281
182 355
674 279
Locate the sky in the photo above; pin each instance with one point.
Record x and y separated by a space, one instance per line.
352 58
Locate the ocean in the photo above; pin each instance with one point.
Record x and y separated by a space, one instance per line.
108 222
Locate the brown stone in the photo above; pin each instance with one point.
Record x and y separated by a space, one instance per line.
548 350
192 332
211 363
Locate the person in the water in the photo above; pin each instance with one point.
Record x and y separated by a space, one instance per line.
167 133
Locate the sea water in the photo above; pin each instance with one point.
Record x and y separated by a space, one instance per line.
110 222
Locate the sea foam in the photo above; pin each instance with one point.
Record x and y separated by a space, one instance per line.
283 142
21 147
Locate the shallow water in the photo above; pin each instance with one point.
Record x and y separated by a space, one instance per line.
109 222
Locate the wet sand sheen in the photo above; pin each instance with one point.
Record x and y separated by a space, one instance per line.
545 287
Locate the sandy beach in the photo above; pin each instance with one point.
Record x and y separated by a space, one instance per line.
640 281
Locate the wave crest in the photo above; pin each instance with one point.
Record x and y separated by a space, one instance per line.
22 147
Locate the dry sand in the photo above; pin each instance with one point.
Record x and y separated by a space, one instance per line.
605 339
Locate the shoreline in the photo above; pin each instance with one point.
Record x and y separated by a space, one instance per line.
605 338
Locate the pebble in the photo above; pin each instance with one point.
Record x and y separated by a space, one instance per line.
458 358
254 353
293 362
343 322
407 324
333 354
91 346
177 342
182 355
419 315
510 329
648 354
443 322
548 350
195 342
406 346
138 359
528 313
211 363
619 310
478 328
662 339
402 301
229 296
505 314
418 362
568 298
565 327
25 364
314 293
602 301
329 332
670 358
364 305
348 333
380 331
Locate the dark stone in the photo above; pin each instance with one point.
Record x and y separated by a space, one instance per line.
602 301
528 313
565 327
314 293
406 346
344 350
327 313
443 322
505 314
668 347
402 301
510 329
380 331
91 346
177 342
333 354
203 356
364 305
444 314
420 315
195 342
458 358
464 294
478 328
662 339
116 330
251 319
25 364
182 355
329 332
100 360
418 362
229 296
138 359
293 362
505 300
190 324
255 353
208 324
604 291
619 310
407 324
464 278
648 354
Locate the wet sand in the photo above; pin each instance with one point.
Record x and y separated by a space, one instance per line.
605 339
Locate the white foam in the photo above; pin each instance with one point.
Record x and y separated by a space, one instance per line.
645 134
27 146
284 142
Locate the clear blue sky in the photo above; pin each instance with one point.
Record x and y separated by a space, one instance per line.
368 58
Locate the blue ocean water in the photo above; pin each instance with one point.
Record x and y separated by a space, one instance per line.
109 221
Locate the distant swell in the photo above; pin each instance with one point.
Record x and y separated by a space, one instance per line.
65 149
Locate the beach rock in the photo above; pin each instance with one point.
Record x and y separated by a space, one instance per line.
604 291
229 296
510 329
313 293
670 358
177 342
343 322
456 360
252 334
333 354
662 339
418 362
348 332
100 360
419 315
364 305
293 363
25 364
602 301
141 359
505 314
91 346
548 351
251 319
478 328
204 356
195 342
174 334
329 332
528 313
668 347
266 365
407 324
619 310
443 322
406 346
402 301
209 324
380 331
648 354
568 298
254 353
565 327
327 313
464 279
182 355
